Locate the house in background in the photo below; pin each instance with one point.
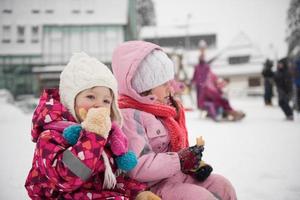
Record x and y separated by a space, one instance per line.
182 37
39 36
181 44
240 62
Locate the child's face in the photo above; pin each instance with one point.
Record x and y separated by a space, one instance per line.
163 93
93 98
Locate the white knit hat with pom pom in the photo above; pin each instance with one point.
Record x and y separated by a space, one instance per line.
84 72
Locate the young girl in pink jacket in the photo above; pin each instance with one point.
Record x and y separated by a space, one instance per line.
79 145
154 123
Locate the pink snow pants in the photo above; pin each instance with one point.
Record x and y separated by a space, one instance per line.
184 187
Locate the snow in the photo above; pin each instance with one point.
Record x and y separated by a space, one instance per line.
259 155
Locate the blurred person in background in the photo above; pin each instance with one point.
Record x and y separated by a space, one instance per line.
210 95
283 81
268 76
296 77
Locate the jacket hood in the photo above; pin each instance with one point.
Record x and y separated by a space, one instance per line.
49 110
125 61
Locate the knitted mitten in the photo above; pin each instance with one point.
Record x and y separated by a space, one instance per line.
126 160
71 133
147 195
203 172
118 140
98 121
204 169
190 158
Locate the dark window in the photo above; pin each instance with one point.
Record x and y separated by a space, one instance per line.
89 11
21 31
34 34
5 40
20 40
75 11
49 11
238 59
7 11
35 11
6 31
21 34
254 81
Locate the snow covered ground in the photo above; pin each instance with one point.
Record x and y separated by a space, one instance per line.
259 154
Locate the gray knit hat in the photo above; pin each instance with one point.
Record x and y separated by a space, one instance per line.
156 69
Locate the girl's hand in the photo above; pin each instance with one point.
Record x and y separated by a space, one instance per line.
98 121
190 158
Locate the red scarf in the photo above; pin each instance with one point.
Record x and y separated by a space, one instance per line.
174 123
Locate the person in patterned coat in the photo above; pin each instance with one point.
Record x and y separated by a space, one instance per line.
81 152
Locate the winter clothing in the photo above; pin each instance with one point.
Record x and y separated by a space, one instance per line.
72 133
97 120
61 170
76 161
176 127
297 72
84 72
268 75
283 81
192 164
147 126
209 93
190 158
147 195
296 76
159 69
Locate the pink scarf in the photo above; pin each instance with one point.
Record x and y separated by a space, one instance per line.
174 123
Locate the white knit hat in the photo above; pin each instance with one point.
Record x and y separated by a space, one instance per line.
156 69
84 72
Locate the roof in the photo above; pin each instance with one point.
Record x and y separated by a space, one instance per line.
70 12
173 31
238 70
48 69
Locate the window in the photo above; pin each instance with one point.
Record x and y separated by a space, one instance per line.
254 81
7 11
75 11
6 30
20 34
238 59
35 11
89 11
34 34
49 11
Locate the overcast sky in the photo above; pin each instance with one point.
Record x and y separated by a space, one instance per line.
264 21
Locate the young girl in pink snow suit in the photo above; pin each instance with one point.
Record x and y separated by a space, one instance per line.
154 123
79 144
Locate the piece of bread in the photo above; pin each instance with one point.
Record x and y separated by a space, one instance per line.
200 141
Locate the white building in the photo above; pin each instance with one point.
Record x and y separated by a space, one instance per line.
240 62
37 33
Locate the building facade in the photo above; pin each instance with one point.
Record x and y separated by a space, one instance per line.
38 37
239 62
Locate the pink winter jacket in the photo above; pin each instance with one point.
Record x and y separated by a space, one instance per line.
150 140
63 171
147 136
